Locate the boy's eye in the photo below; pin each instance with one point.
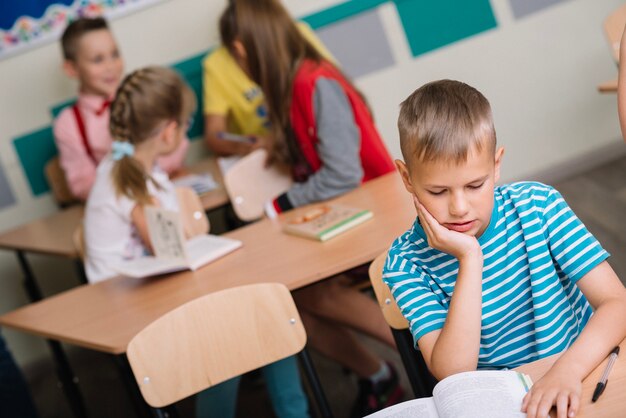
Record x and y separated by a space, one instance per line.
437 193
476 186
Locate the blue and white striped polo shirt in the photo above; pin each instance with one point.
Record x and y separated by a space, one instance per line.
534 249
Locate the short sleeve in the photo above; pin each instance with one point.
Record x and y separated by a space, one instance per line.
214 95
409 285
575 250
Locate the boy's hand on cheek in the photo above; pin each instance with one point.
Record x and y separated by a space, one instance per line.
558 387
441 238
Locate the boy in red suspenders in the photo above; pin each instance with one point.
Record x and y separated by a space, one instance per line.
81 131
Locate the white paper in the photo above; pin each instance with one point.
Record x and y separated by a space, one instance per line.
485 394
200 183
416 408
166 234
225 163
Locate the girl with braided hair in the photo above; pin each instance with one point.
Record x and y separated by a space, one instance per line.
148 120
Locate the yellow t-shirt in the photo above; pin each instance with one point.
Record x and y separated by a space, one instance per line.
229 92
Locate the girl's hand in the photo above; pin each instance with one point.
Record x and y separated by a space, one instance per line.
441 238
558 387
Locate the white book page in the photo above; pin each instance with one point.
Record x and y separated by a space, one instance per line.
200 183
148 266
225 163
416 408
166 234
485 394
205 248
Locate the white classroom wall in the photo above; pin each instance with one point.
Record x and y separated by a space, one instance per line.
540 74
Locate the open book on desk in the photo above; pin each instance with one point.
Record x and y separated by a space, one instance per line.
200 183
484 394
171 251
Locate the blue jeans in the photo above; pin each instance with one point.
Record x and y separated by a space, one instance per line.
283 384
15 398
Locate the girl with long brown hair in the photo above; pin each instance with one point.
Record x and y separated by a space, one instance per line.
323 129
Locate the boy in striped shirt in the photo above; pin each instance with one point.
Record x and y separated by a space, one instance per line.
495 277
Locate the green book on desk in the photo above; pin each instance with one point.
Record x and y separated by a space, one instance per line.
324 222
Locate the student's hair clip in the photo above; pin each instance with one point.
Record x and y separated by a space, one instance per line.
121 149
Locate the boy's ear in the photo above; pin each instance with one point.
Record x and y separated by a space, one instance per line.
498 160
70 69
404 173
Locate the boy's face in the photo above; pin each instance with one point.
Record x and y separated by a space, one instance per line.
458 195
98 65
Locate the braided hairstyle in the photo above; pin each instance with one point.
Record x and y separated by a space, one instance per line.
145 102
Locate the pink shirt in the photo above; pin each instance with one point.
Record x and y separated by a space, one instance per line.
80 169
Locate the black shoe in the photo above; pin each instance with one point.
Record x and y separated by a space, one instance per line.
374 397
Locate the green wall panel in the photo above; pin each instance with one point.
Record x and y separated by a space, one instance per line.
34 150
340 12
432 24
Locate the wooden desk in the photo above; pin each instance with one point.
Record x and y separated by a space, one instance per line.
217 197
612 403
608 86
106 316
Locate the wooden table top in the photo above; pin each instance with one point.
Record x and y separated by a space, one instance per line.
106 316
217 197
612 403
53 235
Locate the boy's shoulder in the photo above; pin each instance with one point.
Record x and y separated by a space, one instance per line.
526 194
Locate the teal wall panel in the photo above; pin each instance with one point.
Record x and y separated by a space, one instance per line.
34 150
432 24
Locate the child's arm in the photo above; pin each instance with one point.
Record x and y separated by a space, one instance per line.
455 347
621 86
138 218
79 168
561 386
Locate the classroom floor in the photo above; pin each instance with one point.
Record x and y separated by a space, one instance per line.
597 196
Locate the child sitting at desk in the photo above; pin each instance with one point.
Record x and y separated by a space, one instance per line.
232 102
149 118
81 131
322 128
495 277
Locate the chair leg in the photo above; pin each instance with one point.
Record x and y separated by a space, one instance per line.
422 382
316 387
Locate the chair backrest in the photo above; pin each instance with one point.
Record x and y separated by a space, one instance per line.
614 28
195 221
385 299
79 241
214 338
58 184
250 184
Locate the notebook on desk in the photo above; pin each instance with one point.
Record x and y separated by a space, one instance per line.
171 251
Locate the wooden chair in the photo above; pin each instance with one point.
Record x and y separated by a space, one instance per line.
215 338
614 28
422 382
58 184
78 238
250 184
194 219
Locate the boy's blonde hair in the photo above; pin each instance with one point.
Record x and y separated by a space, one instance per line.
445 120
146 100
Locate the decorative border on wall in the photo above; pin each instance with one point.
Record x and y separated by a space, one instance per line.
29 32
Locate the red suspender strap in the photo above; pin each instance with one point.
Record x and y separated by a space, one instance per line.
83 132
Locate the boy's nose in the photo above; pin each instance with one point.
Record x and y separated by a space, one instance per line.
458 206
